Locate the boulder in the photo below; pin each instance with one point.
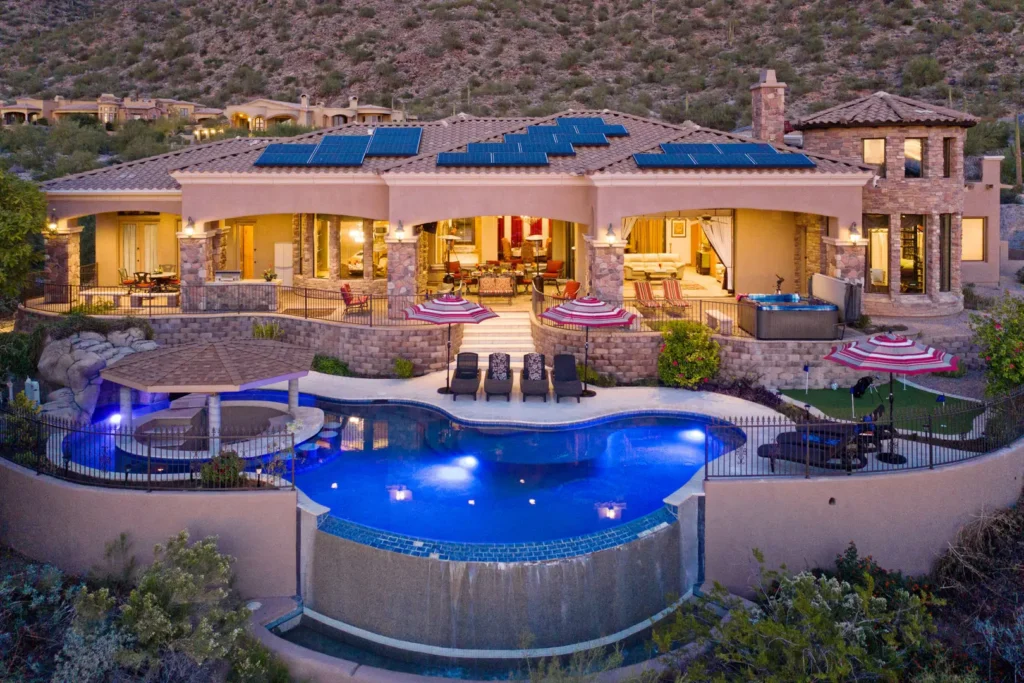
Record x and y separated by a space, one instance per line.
127 337
52 357
62 406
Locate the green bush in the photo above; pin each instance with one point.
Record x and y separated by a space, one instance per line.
921 71
1000 336
22 436
1020 276
403 368
75 323
329 365
95 308
223 471
36 608
592 376
19 353
267 330
689 356
802 628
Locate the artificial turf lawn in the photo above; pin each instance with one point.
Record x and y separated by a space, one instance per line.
837 404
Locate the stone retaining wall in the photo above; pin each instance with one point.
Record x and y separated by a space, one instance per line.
626 356
367 350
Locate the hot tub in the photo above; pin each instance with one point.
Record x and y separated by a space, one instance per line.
788 316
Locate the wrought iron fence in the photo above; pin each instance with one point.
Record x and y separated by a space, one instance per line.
913 439
721 315
153 457
372 310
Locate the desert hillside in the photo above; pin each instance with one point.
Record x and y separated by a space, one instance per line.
670 58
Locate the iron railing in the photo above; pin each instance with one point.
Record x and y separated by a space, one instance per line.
721 314
372 310
164 457
913 439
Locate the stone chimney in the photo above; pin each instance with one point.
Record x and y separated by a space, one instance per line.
303 100
768 100
353 102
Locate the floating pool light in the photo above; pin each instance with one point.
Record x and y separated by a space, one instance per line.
533 502
610 510
693 435
472 502
467 461
115 419
448 474
399 493
522 481
334 486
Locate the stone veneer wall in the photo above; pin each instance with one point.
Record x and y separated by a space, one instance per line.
627 356
403 267
368 351
195 258
893 195
63 264
605 265
809 252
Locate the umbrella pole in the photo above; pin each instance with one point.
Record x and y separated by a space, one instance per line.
447 388
586 364
891 457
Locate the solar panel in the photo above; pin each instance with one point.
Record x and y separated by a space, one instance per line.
552 147
746 148
519 159
397 142
586 139
490 147
664 161
347 143
782 161
689 148
477 158
281 154
615 130
723 161
463 159
331 158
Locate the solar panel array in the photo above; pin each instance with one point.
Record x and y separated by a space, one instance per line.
533 147
721 155
344 150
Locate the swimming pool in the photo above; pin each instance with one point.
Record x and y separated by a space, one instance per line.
417 472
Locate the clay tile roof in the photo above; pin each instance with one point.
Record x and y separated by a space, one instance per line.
151 173
884 109
209 367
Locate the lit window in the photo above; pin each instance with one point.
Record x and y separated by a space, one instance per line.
321 246
913 158
973 235
912 251
874 154
876 227
945 252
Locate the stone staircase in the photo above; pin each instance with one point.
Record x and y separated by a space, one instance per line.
509 332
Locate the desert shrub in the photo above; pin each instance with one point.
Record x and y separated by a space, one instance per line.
36 608
689 356
19 353
1000 337
267 330
802 627
1000 651
75 323
95 308
22 434
222 471
856 570
403 368
330 365
961 371
922 71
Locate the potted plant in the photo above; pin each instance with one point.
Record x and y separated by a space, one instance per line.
269 275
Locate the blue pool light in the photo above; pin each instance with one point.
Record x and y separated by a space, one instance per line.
115 419
447 474
468 462
693 435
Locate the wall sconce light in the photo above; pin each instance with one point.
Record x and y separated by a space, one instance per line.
855 233
400 232
52 225
609 236
190 227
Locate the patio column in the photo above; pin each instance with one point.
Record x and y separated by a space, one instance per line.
895 251
334 248
195 256
293 396
308 257
931 255
403 262
213 415
125 396
296 244
63 262
367 249
605 268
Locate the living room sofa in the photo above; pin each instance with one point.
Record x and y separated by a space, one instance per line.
653 266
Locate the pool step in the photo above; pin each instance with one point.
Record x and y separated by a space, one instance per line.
508 333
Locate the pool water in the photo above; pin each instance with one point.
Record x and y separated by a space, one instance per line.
416 472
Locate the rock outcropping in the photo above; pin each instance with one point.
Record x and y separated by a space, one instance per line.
75 363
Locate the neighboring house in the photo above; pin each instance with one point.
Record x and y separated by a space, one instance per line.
877 196
106 108
259 113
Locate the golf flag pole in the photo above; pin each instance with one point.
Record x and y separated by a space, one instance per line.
807 379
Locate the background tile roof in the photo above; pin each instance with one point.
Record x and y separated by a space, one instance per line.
883 109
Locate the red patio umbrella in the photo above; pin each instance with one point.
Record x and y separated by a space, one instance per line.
449 309
588 312
893 354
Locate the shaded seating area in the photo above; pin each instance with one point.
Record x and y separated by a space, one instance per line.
566 379
833 445
533 378
467 375
499 377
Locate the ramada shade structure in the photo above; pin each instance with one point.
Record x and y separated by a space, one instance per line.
211 367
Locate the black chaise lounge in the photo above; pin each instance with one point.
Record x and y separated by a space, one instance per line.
533 380
467 375
832 445
566 380
499 376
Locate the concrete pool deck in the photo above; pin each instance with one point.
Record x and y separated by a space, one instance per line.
608 401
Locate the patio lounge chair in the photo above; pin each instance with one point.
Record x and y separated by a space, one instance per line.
360 304
673 296
499 377
533 380
645 300
834 446
467 375
566 380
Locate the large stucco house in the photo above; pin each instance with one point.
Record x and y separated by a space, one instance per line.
259 113
877 195
106 108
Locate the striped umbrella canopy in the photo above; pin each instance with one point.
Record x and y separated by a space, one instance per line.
449 309
892 353
588 312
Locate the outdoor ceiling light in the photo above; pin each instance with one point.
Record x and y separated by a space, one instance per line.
190 227
854 232
609 236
